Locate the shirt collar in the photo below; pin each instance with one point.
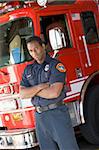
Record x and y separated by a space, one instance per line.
48 58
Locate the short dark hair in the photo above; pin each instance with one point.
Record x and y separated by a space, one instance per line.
34 38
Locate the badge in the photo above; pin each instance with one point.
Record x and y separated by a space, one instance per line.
60 67
46 67
29 75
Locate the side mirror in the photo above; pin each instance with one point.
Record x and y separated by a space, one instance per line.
57 38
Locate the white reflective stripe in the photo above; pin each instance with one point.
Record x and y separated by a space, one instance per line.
8 96
71 96
86 50
75 88
80 79
12 74
18 110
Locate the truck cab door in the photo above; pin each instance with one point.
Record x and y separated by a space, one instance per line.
56 31
87 40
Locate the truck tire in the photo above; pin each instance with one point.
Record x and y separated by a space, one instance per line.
90 130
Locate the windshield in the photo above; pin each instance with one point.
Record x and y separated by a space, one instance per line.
13 37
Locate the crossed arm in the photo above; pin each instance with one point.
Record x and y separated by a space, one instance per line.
44 90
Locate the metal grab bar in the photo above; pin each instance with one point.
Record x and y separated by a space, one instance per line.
86 50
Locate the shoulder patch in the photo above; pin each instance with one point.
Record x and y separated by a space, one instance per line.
60 67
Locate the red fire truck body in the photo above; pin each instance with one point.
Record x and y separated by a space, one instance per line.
71 32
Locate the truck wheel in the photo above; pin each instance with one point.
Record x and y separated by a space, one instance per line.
90 129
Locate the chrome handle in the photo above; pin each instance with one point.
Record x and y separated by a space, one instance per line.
86 51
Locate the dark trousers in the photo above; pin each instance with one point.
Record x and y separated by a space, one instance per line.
54 130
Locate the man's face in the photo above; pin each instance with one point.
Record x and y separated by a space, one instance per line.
36 51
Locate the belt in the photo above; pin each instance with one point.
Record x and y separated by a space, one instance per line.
41 109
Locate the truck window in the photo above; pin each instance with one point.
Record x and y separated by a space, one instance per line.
59 23
13 48
90 29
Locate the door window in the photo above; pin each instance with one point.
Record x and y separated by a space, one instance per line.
55 26
90 29
13 34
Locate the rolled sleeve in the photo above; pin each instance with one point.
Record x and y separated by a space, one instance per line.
58 73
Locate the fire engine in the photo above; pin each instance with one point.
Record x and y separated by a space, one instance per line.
70 29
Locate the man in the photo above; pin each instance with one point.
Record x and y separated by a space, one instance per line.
44 81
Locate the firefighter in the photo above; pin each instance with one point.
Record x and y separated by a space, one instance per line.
44 81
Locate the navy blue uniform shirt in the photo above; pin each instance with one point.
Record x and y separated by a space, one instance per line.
51 70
